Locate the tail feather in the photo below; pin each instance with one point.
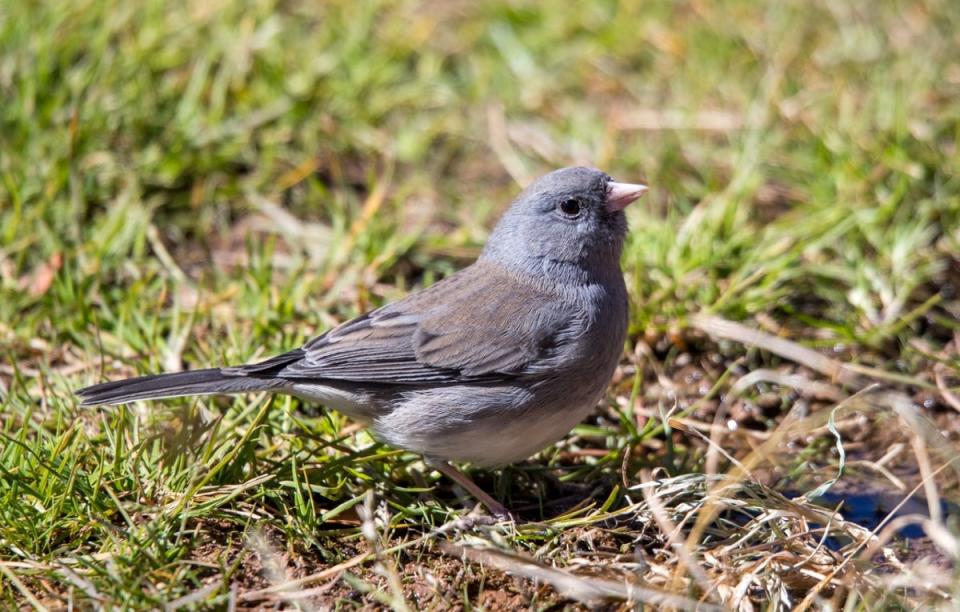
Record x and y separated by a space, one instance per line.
195 382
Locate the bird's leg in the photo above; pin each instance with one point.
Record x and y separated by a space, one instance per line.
496 508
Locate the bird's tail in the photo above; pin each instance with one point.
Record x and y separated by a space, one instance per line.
195 382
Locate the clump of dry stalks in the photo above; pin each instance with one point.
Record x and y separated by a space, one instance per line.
721 542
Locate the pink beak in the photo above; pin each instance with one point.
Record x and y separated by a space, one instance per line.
619 195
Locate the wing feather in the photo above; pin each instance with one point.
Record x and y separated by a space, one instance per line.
478 324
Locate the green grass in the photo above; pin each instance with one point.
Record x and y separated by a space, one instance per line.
189 184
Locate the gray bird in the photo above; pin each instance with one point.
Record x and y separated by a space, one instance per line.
487 366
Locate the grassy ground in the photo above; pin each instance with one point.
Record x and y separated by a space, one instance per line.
197 183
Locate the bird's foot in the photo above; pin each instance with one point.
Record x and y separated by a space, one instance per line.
497 509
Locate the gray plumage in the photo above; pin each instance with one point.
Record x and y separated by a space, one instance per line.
489 365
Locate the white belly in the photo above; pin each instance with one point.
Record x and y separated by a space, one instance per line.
487 427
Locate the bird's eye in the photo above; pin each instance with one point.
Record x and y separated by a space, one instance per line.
569 207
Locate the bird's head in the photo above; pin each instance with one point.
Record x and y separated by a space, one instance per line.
571 219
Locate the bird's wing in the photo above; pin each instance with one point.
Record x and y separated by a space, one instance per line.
470 327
